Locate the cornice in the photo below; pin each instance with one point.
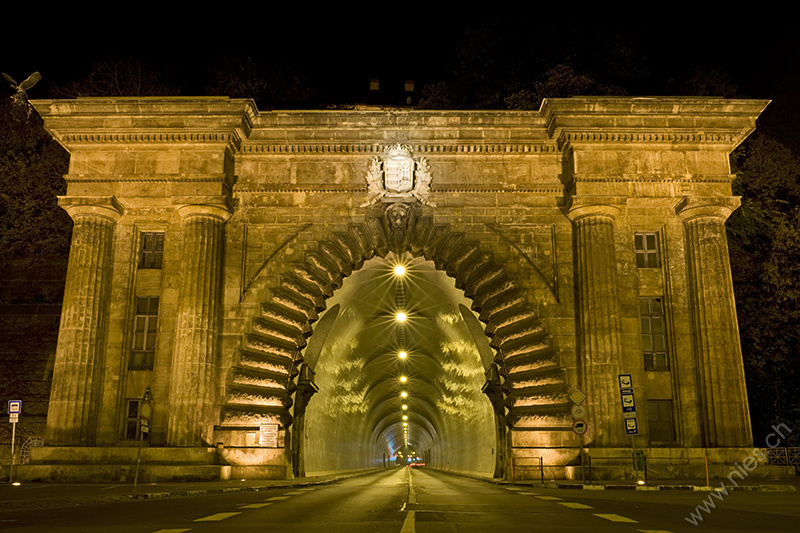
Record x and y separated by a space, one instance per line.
426 148
182 137
259 189
138 178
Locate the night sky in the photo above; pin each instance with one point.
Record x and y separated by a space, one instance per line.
342 49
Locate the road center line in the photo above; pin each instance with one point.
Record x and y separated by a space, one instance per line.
408 524
216 517
293 493
277 498
172 530
549 498
412 496
254 505
616 518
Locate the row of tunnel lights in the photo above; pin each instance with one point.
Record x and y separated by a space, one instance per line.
401 317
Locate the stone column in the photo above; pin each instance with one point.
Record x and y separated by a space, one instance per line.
193 388
598 317
723 405
81 346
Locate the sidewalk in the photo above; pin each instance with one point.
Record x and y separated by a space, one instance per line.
776 485
51 495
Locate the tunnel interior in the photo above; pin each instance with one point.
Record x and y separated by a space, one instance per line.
399 360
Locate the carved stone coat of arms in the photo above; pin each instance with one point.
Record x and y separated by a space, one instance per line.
397 175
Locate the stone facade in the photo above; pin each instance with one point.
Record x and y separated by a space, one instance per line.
539 217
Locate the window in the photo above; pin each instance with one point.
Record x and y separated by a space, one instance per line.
144 335
152 252
132 421
654 337
659 416
646 245
374 84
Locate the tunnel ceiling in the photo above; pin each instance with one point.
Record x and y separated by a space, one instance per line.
359 369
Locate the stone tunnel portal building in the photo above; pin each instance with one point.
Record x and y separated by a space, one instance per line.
236 267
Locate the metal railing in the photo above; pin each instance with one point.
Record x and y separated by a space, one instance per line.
784 456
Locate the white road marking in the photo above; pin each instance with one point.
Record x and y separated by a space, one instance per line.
294 493
408 524
216 517
528 493
412 496
549 498
575 505
512 488
171 530
653 531
277 498
254 505
616 518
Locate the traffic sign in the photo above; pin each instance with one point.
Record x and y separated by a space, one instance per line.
577 396
625 381
579 427
145 410
631 427
145 425
628 402
578 411
13 418
14 407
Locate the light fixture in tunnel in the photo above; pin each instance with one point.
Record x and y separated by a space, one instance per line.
399 270
405 424
403 379
404 407
401 316
405 417
404 394
402 354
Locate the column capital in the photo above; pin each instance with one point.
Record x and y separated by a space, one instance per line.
718 207
581 206
107 207
219 207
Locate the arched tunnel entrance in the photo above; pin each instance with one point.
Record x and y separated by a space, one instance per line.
399 361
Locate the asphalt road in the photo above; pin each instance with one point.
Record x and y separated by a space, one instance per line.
408 501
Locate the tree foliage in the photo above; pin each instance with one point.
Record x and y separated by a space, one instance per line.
31 168
119 77
764 237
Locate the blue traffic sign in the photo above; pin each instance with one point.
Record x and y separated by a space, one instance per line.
630 426
14 407
628 402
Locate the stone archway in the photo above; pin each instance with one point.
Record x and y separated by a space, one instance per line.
525 383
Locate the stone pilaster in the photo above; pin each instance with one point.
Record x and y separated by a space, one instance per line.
715 330
84 315
193 387
598 317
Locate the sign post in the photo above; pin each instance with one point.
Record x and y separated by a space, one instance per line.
579 426
14 410
145 412
629 413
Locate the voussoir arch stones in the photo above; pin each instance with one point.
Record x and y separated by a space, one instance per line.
260 385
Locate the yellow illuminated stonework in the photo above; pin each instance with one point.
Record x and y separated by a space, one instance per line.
517 256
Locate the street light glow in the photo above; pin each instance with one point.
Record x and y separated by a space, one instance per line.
403 379
401 317
405 407
402 355
404 394
399 270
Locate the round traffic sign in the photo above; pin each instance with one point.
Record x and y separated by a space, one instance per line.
578 411
579 427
